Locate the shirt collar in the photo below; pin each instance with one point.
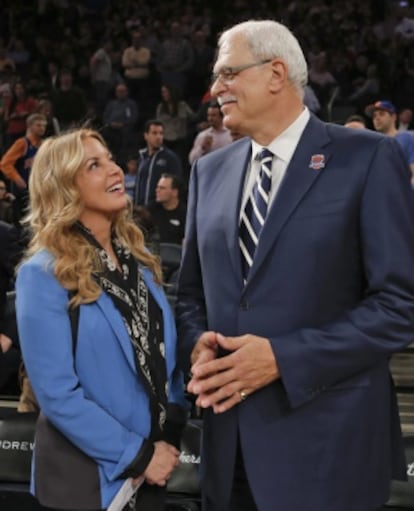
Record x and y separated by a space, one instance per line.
284 145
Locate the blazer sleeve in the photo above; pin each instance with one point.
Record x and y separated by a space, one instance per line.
46 343
313 359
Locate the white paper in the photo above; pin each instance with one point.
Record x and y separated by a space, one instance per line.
124 494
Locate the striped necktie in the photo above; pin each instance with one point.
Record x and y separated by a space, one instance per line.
255 210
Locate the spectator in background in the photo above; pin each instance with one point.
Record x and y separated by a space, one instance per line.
17 108
405 120
6 203
69 102
45 108
168 210
17 162
176 59
176 116
52 79
131 168
355 121
5 61
101 74
120 119
384 119
154 160
136 61
311 100
213 137
200 71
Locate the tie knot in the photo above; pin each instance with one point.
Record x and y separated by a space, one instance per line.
265 155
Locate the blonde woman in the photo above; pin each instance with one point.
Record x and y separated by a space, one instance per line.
111 388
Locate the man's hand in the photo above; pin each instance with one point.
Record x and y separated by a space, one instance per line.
204 351
250 366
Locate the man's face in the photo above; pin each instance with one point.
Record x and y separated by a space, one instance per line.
244 97
154 137
383 121
214 118
38 128
164 192
121 91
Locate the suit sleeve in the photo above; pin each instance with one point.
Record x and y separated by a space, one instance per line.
190 308
311 360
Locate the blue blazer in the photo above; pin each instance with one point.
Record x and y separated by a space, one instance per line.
332 287
97 400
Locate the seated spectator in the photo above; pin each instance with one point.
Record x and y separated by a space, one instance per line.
212 138
168 211
355 121
6 203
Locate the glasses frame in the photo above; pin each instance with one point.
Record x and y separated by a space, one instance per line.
228 73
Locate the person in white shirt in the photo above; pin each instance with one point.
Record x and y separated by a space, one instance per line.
212 138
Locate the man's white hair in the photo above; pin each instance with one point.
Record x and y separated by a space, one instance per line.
268 39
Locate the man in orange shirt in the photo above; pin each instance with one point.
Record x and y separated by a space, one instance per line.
17 160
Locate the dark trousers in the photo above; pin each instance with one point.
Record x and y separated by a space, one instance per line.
241 496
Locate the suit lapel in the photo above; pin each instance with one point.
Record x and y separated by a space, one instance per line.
233 179
299 178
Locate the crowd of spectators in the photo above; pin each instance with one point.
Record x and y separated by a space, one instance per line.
74 53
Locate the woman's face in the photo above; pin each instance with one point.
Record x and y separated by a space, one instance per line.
100 182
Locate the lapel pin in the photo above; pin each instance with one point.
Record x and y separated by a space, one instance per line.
317 161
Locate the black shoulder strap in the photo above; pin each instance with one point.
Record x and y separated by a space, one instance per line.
74 322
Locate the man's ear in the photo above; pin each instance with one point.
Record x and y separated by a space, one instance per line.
279 77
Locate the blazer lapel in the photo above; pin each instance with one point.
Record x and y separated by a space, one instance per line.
107 307
300 176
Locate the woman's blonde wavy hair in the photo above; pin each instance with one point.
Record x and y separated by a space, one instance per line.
55 206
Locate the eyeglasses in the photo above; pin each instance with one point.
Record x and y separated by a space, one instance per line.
227 74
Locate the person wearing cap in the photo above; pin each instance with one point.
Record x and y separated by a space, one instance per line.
384 119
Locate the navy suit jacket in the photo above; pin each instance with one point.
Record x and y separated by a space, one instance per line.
332 287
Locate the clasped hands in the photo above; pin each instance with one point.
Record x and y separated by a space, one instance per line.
223 382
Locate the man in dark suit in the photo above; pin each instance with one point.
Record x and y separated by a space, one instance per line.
296 287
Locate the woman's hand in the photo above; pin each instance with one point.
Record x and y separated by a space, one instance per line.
163 462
